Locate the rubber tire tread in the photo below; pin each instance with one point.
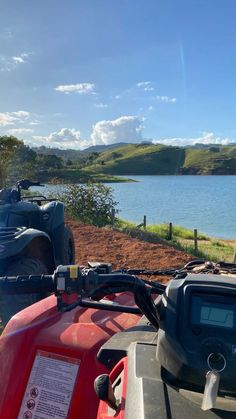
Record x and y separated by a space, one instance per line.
68 241
12 304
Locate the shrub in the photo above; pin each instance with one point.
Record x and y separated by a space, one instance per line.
91 203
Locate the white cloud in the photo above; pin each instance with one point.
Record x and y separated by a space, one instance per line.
100 105
9 64
18 60
125 128
145 85
150 108
205 138
11 118
76 88
19 131
21 114
34 123
166 99
25 55
64 138
6 119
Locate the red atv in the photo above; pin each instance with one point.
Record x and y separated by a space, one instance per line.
87 343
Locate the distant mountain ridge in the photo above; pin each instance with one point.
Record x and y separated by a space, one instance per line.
154 159
75 155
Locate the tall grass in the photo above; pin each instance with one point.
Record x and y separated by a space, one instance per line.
182 238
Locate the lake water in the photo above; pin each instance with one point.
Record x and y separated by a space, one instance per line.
207 203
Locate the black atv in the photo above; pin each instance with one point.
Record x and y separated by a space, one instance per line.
33 240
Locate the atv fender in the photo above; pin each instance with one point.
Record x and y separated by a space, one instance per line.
29 242
52 221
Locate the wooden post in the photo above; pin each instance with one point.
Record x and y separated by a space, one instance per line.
234 259
195 241
144 222
113 212
170 231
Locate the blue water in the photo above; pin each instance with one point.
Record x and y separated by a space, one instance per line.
207 203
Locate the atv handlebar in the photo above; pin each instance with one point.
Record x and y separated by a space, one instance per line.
97 281
26 184
26 284
85 283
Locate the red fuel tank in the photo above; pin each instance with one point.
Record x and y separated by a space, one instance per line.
48 359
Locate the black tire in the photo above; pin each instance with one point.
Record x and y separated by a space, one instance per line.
12 304
69 247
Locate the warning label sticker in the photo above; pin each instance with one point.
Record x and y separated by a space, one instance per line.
50 387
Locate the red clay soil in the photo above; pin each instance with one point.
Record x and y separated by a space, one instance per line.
105 245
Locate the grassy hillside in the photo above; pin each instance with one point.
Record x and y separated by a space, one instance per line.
149 159
139 159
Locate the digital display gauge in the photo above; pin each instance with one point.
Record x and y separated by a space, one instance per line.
216 316
212 312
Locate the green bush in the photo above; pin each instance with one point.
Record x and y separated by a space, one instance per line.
91 203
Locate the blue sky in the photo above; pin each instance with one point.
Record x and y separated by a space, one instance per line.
78 72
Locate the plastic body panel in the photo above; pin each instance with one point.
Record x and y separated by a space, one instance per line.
19 240
120 370
54 226
78 333
146 396
32 222
13 215
182 349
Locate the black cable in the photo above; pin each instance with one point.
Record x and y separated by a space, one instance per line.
109 307
134 285
159 287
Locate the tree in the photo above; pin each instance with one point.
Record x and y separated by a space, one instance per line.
23 164
91 203
49 161
9 146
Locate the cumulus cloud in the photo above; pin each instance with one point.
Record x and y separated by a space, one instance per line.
205 138
81 88
20 131
64 138
11 118
145 85
166 99
125 128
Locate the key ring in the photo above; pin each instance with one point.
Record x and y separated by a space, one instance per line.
221 356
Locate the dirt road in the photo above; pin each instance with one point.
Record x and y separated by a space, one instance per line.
105 245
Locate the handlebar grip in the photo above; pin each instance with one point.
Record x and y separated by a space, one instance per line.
94 280
25 284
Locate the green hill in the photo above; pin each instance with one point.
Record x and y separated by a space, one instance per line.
150 159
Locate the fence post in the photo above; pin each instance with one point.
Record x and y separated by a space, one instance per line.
195 241
144 222
113 211
234 259
170 231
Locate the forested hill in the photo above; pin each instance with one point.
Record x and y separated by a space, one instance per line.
101 164
149 159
